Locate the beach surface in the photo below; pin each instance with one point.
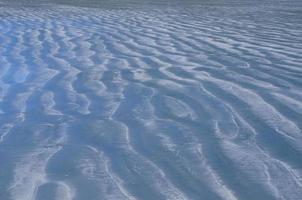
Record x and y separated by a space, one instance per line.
150 100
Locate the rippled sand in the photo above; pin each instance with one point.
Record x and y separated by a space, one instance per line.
150 100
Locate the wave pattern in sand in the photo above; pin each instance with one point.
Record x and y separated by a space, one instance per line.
166 103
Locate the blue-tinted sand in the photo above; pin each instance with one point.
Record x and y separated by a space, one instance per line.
150 100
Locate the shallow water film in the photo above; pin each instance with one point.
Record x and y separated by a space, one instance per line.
150 100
